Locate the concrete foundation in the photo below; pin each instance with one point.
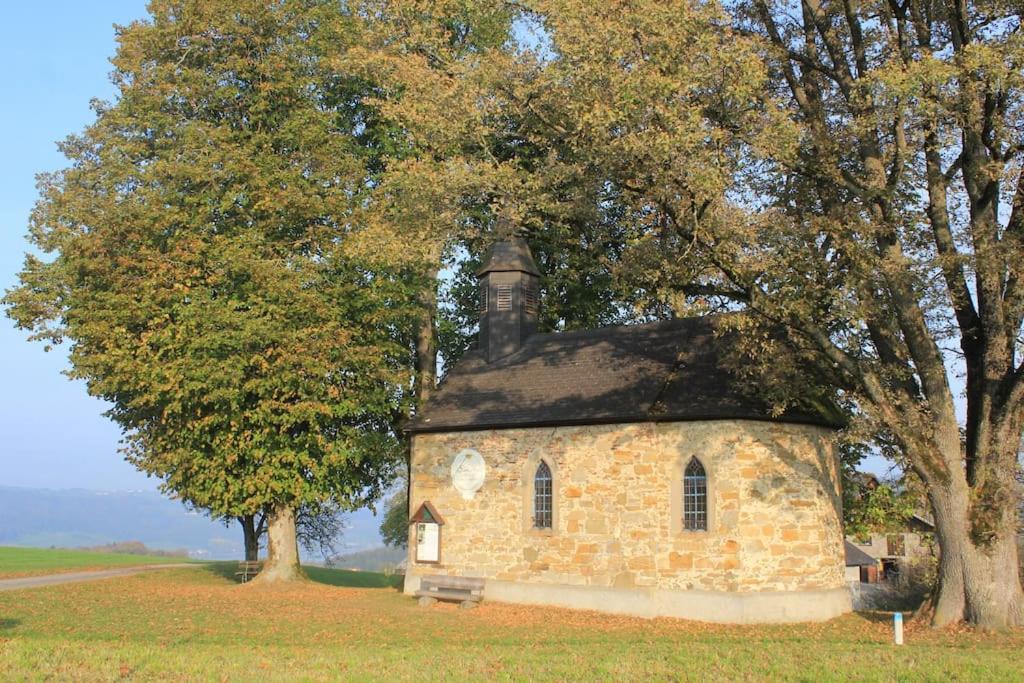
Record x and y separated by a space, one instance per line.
763 607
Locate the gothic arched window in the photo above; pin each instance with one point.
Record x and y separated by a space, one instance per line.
543 497
695 497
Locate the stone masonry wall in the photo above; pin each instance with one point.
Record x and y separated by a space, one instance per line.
773 497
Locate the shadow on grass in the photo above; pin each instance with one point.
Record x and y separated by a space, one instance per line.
225 570
332 577
880 616
6 624
353 579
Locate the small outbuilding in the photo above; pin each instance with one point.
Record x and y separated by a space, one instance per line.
860 567
623 469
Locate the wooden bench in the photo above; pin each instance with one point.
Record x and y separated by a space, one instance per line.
462 589
247 570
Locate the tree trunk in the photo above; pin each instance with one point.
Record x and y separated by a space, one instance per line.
282 563
978 582
426 340
251 537
426 358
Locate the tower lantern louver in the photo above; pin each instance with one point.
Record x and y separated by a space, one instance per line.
509 297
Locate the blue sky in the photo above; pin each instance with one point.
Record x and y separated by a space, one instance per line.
52 434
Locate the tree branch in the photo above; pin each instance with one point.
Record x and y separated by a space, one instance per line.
949 259
1013 244
813 11
856 36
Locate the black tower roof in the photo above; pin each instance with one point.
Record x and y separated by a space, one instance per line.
511 254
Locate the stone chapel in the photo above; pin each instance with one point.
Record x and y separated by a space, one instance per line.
621 469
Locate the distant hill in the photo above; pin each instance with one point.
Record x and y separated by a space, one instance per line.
135 548
72 518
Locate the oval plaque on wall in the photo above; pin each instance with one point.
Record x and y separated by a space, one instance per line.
468 472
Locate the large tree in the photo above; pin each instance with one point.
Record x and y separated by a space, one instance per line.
886 242
907 199
847 173
466 161
879 226
198 266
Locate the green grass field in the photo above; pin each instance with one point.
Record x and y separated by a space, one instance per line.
16 562
197 624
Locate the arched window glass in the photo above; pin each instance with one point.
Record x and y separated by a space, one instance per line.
542 497
695 497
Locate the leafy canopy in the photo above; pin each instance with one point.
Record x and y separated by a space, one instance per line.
197 263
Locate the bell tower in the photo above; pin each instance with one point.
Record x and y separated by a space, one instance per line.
509 297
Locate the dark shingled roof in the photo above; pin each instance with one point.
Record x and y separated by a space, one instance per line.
509 255
855 557
666 371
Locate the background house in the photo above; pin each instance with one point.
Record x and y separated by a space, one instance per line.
895 549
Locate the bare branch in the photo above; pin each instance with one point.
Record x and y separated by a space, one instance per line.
949 258
1013 246
813 11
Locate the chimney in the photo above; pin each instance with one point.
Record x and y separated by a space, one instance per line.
509 298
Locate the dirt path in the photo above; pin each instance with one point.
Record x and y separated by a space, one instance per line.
76 577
